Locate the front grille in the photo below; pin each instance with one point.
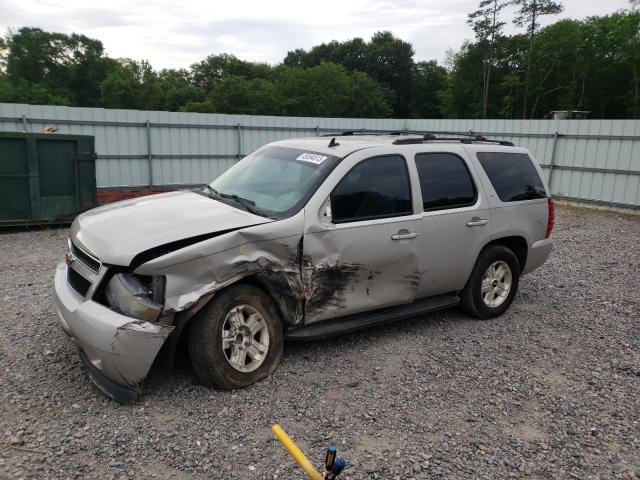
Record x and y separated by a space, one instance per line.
80 284
90 262
84 271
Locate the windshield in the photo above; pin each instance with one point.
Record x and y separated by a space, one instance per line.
274 181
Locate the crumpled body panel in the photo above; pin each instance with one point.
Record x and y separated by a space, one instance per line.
270 252
119 350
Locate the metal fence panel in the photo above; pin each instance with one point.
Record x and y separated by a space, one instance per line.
596 160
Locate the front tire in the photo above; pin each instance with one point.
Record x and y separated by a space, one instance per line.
237 339
493 283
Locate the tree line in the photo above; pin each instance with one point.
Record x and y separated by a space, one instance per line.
591 64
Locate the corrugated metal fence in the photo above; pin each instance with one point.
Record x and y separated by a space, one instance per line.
591 160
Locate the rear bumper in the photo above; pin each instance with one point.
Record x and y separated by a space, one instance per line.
117 350
538 254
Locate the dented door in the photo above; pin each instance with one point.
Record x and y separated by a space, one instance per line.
361 252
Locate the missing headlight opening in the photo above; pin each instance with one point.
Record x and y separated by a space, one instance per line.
136 296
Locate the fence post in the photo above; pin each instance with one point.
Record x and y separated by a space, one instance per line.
552 159
149 155
24 123
317 130
239 141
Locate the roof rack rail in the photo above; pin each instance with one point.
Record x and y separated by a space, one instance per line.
462 137
477 137
362 131
429 137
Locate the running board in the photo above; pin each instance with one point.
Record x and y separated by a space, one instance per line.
358 321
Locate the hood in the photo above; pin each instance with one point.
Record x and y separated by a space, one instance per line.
117 232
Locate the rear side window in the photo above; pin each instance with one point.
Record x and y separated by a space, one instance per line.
512 175
375 188
445 181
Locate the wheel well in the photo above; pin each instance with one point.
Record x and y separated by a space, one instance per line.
275 286
518 245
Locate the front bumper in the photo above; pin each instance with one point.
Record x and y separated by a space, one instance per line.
117 350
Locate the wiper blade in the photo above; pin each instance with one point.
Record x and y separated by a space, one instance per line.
245 203
237 198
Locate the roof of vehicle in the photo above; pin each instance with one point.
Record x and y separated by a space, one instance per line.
342 144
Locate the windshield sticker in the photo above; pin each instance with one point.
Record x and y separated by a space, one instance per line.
312 157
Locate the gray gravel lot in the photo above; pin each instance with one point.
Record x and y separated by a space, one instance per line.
551 389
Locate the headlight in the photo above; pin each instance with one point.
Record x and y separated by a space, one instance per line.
136 296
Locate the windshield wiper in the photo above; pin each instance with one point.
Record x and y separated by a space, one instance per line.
212 190
207 191
245 203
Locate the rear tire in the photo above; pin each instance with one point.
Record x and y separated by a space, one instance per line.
493 283
237 339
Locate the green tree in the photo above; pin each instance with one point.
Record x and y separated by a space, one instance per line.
213 68
611 45
391 63
367 98
462 99
488 28
132 84
509 74
38 93
429 83
557 68
296 58
237 95
323 90
528 15
386 58
72 66
177 89
327 89
4 50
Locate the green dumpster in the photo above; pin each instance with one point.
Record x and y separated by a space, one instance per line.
45 178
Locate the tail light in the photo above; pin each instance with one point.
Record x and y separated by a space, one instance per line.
552 217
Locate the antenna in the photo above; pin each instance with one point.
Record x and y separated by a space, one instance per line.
333 142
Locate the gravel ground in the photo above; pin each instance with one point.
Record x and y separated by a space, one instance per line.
551 389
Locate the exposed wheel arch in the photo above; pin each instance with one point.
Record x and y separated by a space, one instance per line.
273 284
515 243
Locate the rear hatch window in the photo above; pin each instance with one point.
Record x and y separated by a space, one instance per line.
512 175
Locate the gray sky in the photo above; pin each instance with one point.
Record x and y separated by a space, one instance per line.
177 33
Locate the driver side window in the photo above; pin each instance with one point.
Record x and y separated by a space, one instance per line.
378 187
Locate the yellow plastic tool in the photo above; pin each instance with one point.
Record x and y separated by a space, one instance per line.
296 453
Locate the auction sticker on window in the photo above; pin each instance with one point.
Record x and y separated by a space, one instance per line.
312 157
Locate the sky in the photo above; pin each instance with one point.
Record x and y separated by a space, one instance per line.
175 34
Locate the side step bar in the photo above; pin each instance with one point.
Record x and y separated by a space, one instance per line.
358 321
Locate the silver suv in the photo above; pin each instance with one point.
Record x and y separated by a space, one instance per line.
302 239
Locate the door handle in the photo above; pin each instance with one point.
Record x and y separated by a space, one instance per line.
404 235
477 222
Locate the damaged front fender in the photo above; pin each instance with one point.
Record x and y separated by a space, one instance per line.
270 253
